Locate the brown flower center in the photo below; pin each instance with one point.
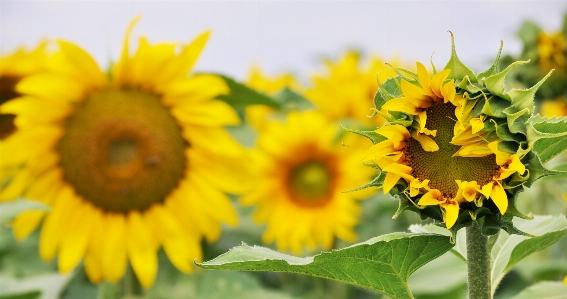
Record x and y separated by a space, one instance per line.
440 167
122 150
7 92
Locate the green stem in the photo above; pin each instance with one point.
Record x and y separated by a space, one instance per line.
131 287
478 264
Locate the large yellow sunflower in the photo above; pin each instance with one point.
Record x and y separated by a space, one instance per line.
129 163
13 68
444 153
301 174
347 89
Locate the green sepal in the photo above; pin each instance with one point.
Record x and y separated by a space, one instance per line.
493 69
388 90
458 69
547 136
513 210
496 84
537 170
517 119
372 135
377 182
524 98
403 204
494 106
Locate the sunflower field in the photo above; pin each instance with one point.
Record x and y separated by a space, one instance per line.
373 176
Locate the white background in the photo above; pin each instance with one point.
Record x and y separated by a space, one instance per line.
284 35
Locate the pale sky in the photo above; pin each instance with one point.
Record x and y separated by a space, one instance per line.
284 35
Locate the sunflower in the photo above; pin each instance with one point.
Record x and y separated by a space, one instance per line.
302 171
13 68
556 107
256 115
347 89
129 163
453 141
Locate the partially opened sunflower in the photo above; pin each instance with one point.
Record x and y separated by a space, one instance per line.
455 147
129 162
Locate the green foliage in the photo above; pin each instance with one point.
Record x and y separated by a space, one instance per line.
548 136
544 290
241 96
11 209
459 70
382 264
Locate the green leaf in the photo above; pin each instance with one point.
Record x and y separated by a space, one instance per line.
27 295
547 229
495 106
460 249
377 182
11 209
458 69
49 286
388 90
544 290
241 95
448 269
548 136
528 32
290 100
382 264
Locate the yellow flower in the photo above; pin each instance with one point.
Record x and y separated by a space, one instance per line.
301 173
444 155
256 115
557 107
129 163
347 89
551 50
13 68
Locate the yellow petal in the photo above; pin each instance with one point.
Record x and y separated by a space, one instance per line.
59 89
403 171
486 190
451 213
181 65
476 150
448 91
75 236
26 223
390 181
501 157
197 88
79 65
498 196
210 114
50 235
414 93
424 78
476 124
380 149
401 105
437 81
114 251
426 142
141 250
395 133
431 198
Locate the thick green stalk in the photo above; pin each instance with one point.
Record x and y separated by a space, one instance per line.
478 264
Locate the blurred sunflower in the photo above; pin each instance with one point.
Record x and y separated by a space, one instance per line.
301 173
256 115
129 163
347 89
551 48
13 68
556 107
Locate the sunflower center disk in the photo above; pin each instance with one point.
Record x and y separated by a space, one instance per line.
7 92
440 167
122 150
310 183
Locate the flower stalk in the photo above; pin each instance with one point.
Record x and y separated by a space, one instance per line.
478 264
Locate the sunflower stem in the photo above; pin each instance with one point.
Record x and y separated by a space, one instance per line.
478 264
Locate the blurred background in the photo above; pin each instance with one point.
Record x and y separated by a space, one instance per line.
293 37
284 35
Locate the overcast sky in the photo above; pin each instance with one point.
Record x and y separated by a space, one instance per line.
284 35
